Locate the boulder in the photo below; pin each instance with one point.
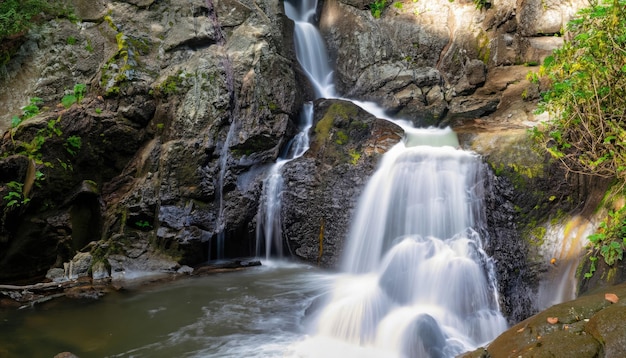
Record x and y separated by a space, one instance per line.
589 326
323 186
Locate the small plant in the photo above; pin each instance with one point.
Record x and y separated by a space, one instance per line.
377 7
398 5
15 197
143 224
609 241
32 108
76 96
98 110
73 144
482 4
89 46
71 40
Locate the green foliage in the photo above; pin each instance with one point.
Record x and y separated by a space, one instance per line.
15 196
171 85
355 156
28 111
89 46
481 4
377 7
609 241
18 16
71 40
398 5
143 224
32 149
73 144
587 80
32 108
76 96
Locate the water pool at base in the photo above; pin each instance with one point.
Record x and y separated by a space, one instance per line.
258 312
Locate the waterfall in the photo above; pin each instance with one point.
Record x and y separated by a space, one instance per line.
310 48
220 192
311 53
416 281
268 230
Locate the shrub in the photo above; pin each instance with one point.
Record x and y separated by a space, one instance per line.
586 80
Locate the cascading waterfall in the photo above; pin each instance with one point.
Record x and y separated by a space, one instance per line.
268 230
417 282
311 54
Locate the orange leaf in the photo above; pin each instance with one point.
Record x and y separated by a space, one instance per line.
611 297
553 320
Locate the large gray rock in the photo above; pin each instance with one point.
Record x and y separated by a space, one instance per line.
323 186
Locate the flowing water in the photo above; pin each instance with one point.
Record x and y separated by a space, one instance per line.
416 281
258 312
269 239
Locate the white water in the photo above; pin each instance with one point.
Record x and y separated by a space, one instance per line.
220 193
417 282
268 230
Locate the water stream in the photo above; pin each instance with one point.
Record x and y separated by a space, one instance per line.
416 281
269 239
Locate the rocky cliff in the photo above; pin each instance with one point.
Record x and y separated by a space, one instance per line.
186 102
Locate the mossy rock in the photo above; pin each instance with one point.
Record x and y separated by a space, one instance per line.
589 326
342 132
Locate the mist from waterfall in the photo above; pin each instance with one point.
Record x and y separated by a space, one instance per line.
416 280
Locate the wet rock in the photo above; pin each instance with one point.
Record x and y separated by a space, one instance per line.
589 326
79 266
322 187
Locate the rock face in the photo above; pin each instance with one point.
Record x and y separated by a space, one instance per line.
184 100
324 184
427 61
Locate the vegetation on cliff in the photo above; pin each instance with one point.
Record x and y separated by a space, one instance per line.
18 16
586 79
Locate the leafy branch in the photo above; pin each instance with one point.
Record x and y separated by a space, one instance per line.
587 80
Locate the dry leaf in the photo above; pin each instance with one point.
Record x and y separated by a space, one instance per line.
611 297
553 320
553 261
521 330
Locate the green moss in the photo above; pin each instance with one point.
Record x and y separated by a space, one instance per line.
355 156
539 234
342 138
273 106
483 47
122 66
336 112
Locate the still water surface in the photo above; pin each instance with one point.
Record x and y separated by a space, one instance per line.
258 312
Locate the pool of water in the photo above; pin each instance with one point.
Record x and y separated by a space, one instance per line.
258 312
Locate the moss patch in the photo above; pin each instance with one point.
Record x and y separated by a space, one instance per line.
340 132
